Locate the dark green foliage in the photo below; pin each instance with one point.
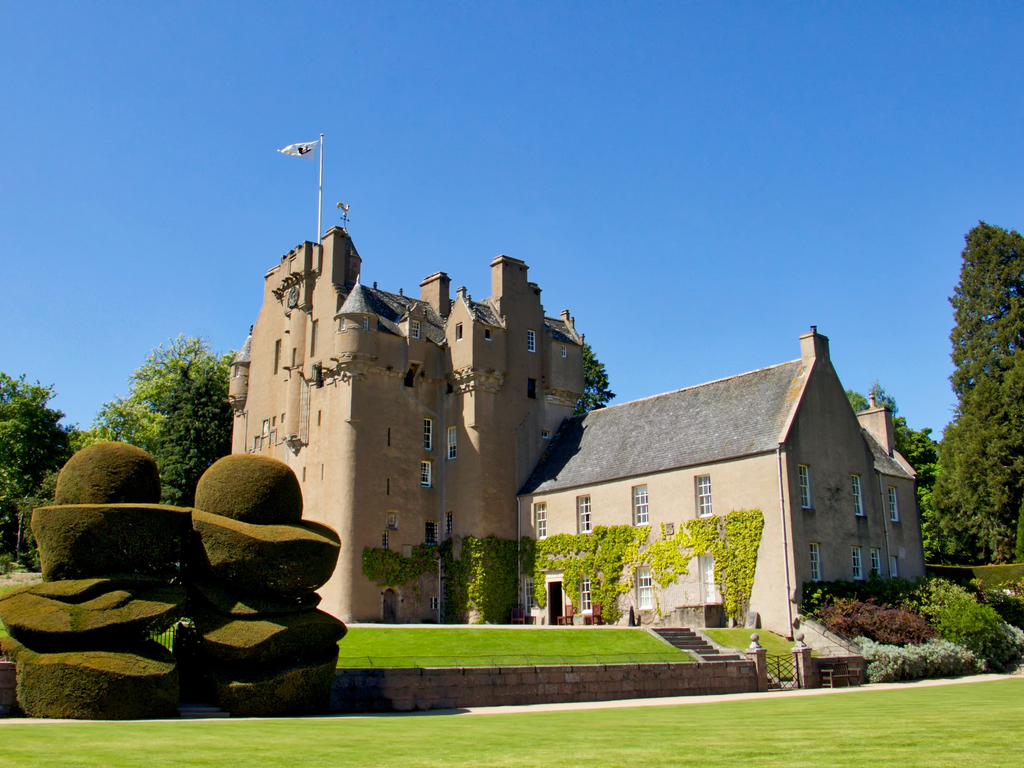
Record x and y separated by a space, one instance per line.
818 594
109 473
596 393
956 614
989 575
117 618
392 569
253 489
299 690
980 489
1010 607
881 623
857 401
228 603
97 685
34 444
1019 549
88 540
268 641
277 561
918 448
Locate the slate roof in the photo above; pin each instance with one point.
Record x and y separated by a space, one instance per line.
484 312
738 416
884 463
390 309
562 331
243 355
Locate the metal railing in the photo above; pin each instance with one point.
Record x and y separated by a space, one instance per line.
783 674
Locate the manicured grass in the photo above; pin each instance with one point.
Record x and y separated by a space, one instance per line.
776 645
955 726
487 647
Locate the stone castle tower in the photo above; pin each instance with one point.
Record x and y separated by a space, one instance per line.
406 420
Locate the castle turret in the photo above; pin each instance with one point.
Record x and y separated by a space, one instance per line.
238 386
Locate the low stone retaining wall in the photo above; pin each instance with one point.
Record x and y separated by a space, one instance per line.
7 687
382 690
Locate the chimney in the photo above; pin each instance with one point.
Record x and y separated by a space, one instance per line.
878 421
434 291
508 277
813 346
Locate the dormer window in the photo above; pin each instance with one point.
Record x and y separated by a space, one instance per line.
414 329
458 331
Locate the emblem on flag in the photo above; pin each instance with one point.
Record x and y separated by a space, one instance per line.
306 149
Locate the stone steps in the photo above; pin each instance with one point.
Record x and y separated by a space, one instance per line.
200 712
686 639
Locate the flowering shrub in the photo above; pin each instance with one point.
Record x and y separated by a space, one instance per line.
936 658
881 623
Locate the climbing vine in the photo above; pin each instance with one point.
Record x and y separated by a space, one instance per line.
390 569
739 559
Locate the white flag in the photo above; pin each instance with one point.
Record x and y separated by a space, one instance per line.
307 149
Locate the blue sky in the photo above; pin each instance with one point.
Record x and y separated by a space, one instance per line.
697 182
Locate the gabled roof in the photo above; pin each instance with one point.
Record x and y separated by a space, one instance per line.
884 463
243 355
484 312
390 308
562 331
739 416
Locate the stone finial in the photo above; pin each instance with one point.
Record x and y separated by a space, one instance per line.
799 637
754 645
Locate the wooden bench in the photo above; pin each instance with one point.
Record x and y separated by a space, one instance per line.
830 673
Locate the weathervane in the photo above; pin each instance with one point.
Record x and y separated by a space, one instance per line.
344 213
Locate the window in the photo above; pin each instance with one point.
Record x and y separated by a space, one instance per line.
894 567
644 589
528 597
458 331
312 337
583 514
433 602
384 540
858 573
564 352
487 334
531 341
453 449
448 523
277 356
815 561
858 508
428 434
585 593
393 521
640 505
805 486
425 473
704 495
410 377
545 434
366 323
531 389
707 577
430 532
540 520
876 561
414 329
894 505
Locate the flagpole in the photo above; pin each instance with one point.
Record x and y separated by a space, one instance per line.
320 200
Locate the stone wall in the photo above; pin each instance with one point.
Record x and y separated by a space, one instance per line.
381 690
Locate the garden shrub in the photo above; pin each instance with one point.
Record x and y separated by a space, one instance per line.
226 602
881 623
936 658
292 639
957 615
300 690
109 473
818 594
1008 605
253 489
89 540
276 561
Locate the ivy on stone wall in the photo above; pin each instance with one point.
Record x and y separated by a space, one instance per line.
391 569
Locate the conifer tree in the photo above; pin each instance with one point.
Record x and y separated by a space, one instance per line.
596 393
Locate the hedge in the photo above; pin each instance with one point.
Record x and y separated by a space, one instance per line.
299 690
109 473
224 601
989 575
253 489
263 642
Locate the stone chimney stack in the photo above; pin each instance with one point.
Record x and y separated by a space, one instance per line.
813 346
434 291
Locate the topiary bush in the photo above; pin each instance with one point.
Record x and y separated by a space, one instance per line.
299 690
936 658
88 540
253 489
212 597
291 639
881 623
109 473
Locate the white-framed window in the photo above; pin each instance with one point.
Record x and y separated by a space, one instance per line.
430 532
528 598
876 561
393 521
644 589
458 331
366 323
531 341
452 446
428 434
858 571
313 331
540 519
433 602
565 353
707 577
640 509
894 567
585 593
583 514
426 473
448 523
858 507
384 540
894 505
804 472
704 495
414 329
815 561
545 434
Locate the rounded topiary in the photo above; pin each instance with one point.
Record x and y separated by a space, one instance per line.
228 603
81 541
109 473
253 489
276 561
269 641
298 690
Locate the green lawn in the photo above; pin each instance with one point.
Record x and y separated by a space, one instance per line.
486 647
776 645
955 726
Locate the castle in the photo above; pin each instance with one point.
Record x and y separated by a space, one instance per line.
409 421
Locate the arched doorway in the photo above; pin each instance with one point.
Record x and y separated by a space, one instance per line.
390 606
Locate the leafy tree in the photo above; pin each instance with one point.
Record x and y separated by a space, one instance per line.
922 452
195 432
35 444
857 401
882 398
979 493
1020 538
595 383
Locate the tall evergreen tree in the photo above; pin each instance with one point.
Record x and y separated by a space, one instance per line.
596 393
980 489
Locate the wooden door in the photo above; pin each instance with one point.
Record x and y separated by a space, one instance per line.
390 606
555 601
